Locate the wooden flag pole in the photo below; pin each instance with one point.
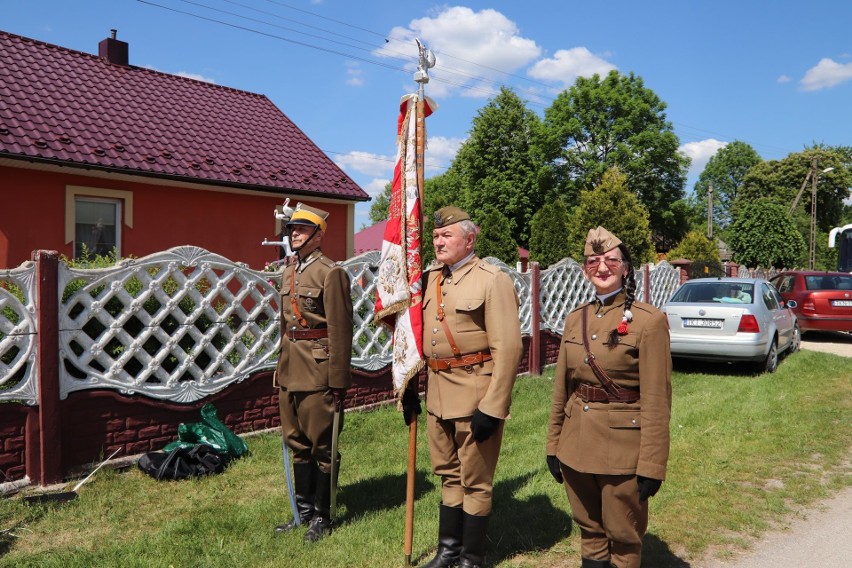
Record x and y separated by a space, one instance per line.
427 60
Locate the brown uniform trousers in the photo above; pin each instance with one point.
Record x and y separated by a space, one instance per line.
308 368
482 314
603 446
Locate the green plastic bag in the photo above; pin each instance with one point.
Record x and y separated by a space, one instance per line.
210 431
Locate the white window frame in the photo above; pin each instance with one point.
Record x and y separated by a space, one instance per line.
124 211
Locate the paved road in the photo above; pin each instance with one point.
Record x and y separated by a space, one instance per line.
818 537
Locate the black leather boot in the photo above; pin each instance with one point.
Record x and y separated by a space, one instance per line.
474 541
449 538
321 524
304 485
589 563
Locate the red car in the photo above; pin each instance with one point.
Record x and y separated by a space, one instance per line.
823 300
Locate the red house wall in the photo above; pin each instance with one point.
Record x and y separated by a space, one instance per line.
229 224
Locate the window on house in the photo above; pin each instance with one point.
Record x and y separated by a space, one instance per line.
97 226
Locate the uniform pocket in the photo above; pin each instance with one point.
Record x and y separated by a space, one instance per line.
319 350
625 435
310 299
470 315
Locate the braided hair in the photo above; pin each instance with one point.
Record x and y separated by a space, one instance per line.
628 282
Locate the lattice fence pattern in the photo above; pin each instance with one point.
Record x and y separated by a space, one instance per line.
176 325
185 323
18 346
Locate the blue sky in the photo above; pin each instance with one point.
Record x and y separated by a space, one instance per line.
774 74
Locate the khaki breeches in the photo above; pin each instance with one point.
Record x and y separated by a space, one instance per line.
465 466
307 420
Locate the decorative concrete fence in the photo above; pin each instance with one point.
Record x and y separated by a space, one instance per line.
100 359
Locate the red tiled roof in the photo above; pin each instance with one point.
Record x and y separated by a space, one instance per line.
72 108
370 238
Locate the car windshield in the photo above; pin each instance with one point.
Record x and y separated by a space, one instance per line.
715 292
829 282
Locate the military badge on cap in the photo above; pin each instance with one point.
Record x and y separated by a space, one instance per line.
599 241
449 215
306 215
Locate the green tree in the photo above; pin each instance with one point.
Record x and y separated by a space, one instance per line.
381 205
549 234
763 234
782 180
616 121
495 238
497 164
438 191
617 209
696 247
726 172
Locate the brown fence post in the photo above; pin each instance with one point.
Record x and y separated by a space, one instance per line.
647 275
48 468
535 318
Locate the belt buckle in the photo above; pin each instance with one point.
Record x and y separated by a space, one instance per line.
291 335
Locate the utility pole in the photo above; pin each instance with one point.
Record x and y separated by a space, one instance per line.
812 258
710 211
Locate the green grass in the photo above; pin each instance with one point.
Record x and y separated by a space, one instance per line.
747 453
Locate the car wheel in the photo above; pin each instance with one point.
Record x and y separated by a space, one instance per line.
795 340
771 362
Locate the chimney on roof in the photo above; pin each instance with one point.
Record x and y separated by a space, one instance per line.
113 50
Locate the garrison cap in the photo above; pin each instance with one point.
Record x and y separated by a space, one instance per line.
599 241
448 216
306 215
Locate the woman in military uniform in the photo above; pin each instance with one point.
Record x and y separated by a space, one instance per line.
313 367
608 433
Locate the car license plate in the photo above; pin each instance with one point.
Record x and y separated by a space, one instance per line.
842 303
702 323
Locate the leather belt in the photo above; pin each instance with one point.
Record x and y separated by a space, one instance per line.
295 334
591 393
466 361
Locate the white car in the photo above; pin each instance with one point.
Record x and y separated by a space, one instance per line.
731 320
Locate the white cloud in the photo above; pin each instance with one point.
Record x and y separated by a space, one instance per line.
195 76
354 74
375 186
366 163
784 79
440 151
700 153
473 49
568 64
827 73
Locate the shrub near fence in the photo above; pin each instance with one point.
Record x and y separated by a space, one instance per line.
93 360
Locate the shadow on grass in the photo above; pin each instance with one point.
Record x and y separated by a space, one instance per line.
380 493
520 526
657 553
718 368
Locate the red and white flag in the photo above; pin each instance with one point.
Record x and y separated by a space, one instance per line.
398 289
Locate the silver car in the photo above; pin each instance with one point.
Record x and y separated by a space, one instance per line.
731 319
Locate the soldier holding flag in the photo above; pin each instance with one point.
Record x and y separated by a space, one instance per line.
313 368
472 345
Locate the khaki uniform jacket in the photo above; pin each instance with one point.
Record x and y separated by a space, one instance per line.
322 294
482 313
614 438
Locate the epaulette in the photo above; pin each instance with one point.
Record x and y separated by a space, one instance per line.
488 267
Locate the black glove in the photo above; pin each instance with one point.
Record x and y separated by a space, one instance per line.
554 465
410 406
647 487
483 426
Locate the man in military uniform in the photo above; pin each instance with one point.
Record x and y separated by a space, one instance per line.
472 344
313 368
608 432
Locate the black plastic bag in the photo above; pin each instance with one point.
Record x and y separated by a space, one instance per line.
183 462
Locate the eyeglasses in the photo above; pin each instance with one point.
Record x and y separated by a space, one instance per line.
611 263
